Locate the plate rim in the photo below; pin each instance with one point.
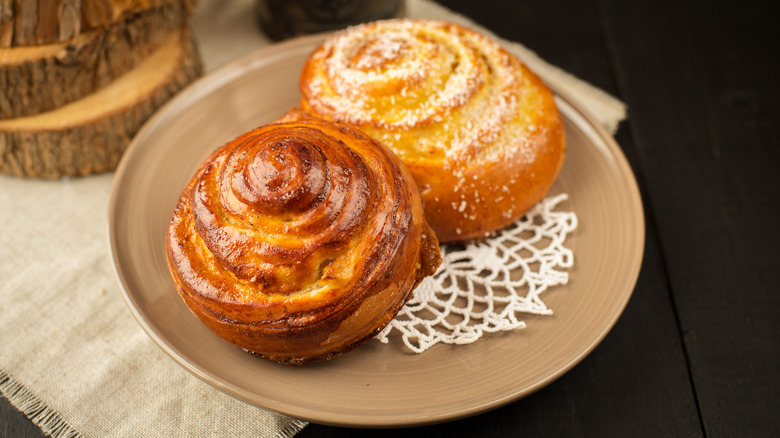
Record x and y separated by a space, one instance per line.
266 56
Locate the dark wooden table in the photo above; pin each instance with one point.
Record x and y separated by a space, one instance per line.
697 350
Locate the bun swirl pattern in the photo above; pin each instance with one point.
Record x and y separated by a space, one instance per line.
479 132
299 240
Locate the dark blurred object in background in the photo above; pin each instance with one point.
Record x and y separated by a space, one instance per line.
282 19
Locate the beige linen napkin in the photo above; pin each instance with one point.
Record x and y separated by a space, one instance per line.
72 357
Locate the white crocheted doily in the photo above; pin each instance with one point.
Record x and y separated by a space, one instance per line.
483 286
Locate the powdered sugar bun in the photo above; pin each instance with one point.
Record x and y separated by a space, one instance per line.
478 130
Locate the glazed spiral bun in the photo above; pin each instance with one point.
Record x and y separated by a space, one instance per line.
299 240
479 132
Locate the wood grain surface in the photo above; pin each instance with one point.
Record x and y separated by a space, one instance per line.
697 350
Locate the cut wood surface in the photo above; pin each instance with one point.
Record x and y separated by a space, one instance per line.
90 135
37 22
34 79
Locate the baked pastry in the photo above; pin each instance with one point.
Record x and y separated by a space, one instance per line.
478 130
299 240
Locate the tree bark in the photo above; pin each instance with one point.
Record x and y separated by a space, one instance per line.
90 135
6 22
36 79
39 22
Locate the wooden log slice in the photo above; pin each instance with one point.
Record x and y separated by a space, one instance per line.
36 79
100 13
38 22
89 136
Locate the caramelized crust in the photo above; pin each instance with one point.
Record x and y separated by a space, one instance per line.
479 132
299 240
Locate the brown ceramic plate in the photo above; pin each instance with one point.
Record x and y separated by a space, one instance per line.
376 385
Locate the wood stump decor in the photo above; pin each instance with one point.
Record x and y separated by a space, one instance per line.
80 77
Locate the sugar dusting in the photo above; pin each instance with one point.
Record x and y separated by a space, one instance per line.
423 72
444 91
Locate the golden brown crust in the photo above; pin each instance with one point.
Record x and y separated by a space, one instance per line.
479 132
299 240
